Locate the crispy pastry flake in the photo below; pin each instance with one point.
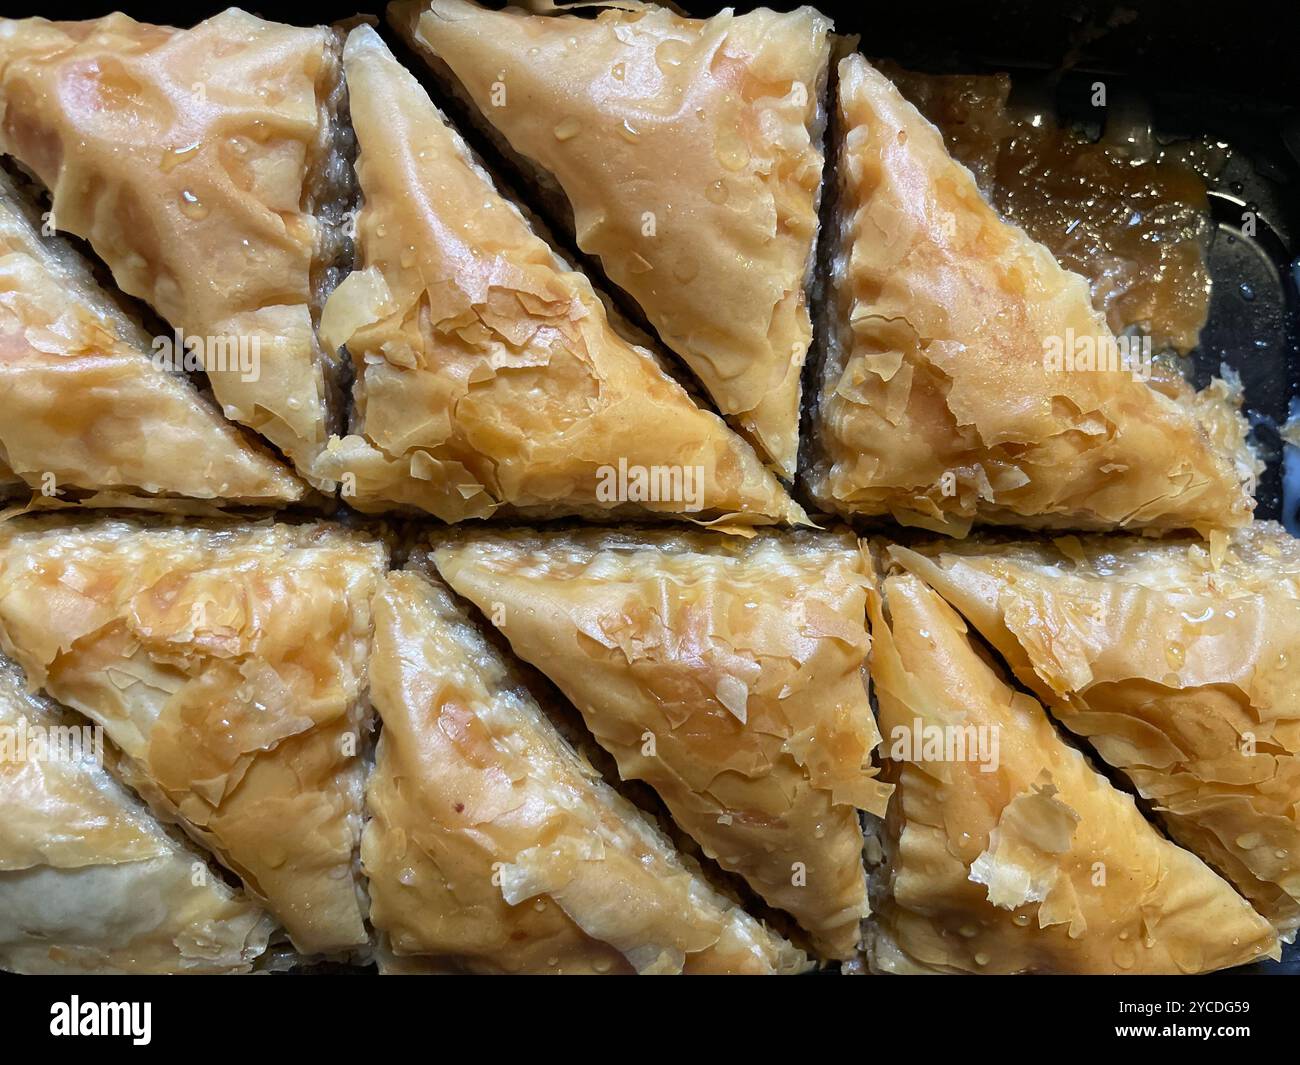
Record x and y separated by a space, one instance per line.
488 372
194 162
493 848
1028 861
90 882
686 156
1179 663
728 675
227 662
968 378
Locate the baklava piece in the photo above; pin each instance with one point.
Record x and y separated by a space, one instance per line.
684 154
204 167
87 412
227 662
727 674
1179 661
90 882
1003 851
968 377
493 848
488 373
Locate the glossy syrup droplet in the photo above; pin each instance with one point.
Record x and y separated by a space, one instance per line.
567 128
192 206
173 157
731 150
671 54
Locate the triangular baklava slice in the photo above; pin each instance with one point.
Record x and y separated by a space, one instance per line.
493 848
686 154
488 373
1178 660
85 408
203 166
227 662
727 674
1003 851
90 882
968 378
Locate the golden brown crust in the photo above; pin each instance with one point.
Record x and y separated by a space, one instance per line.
1026 861
188 159
941 403
1177 660
85 408
228 664
493 848
727 674
689 153
488 373
90 882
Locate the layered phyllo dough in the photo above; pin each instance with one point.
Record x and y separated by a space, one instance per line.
492 847
1003 851
968 377
1179 661
87 414
227 662
728 674
684 154
203 167
488 373
90 881
342 734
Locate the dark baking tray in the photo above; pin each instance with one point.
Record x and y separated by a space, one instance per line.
1196 75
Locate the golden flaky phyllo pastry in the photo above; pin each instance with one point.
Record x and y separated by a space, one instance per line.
227 662
201 166
90 882
1181 665
84 409
729 675
960 383
1003 851
488 372
685 154
493 848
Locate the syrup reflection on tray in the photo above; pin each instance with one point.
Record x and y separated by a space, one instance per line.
1127 213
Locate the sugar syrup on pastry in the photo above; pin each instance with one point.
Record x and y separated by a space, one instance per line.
1129 214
